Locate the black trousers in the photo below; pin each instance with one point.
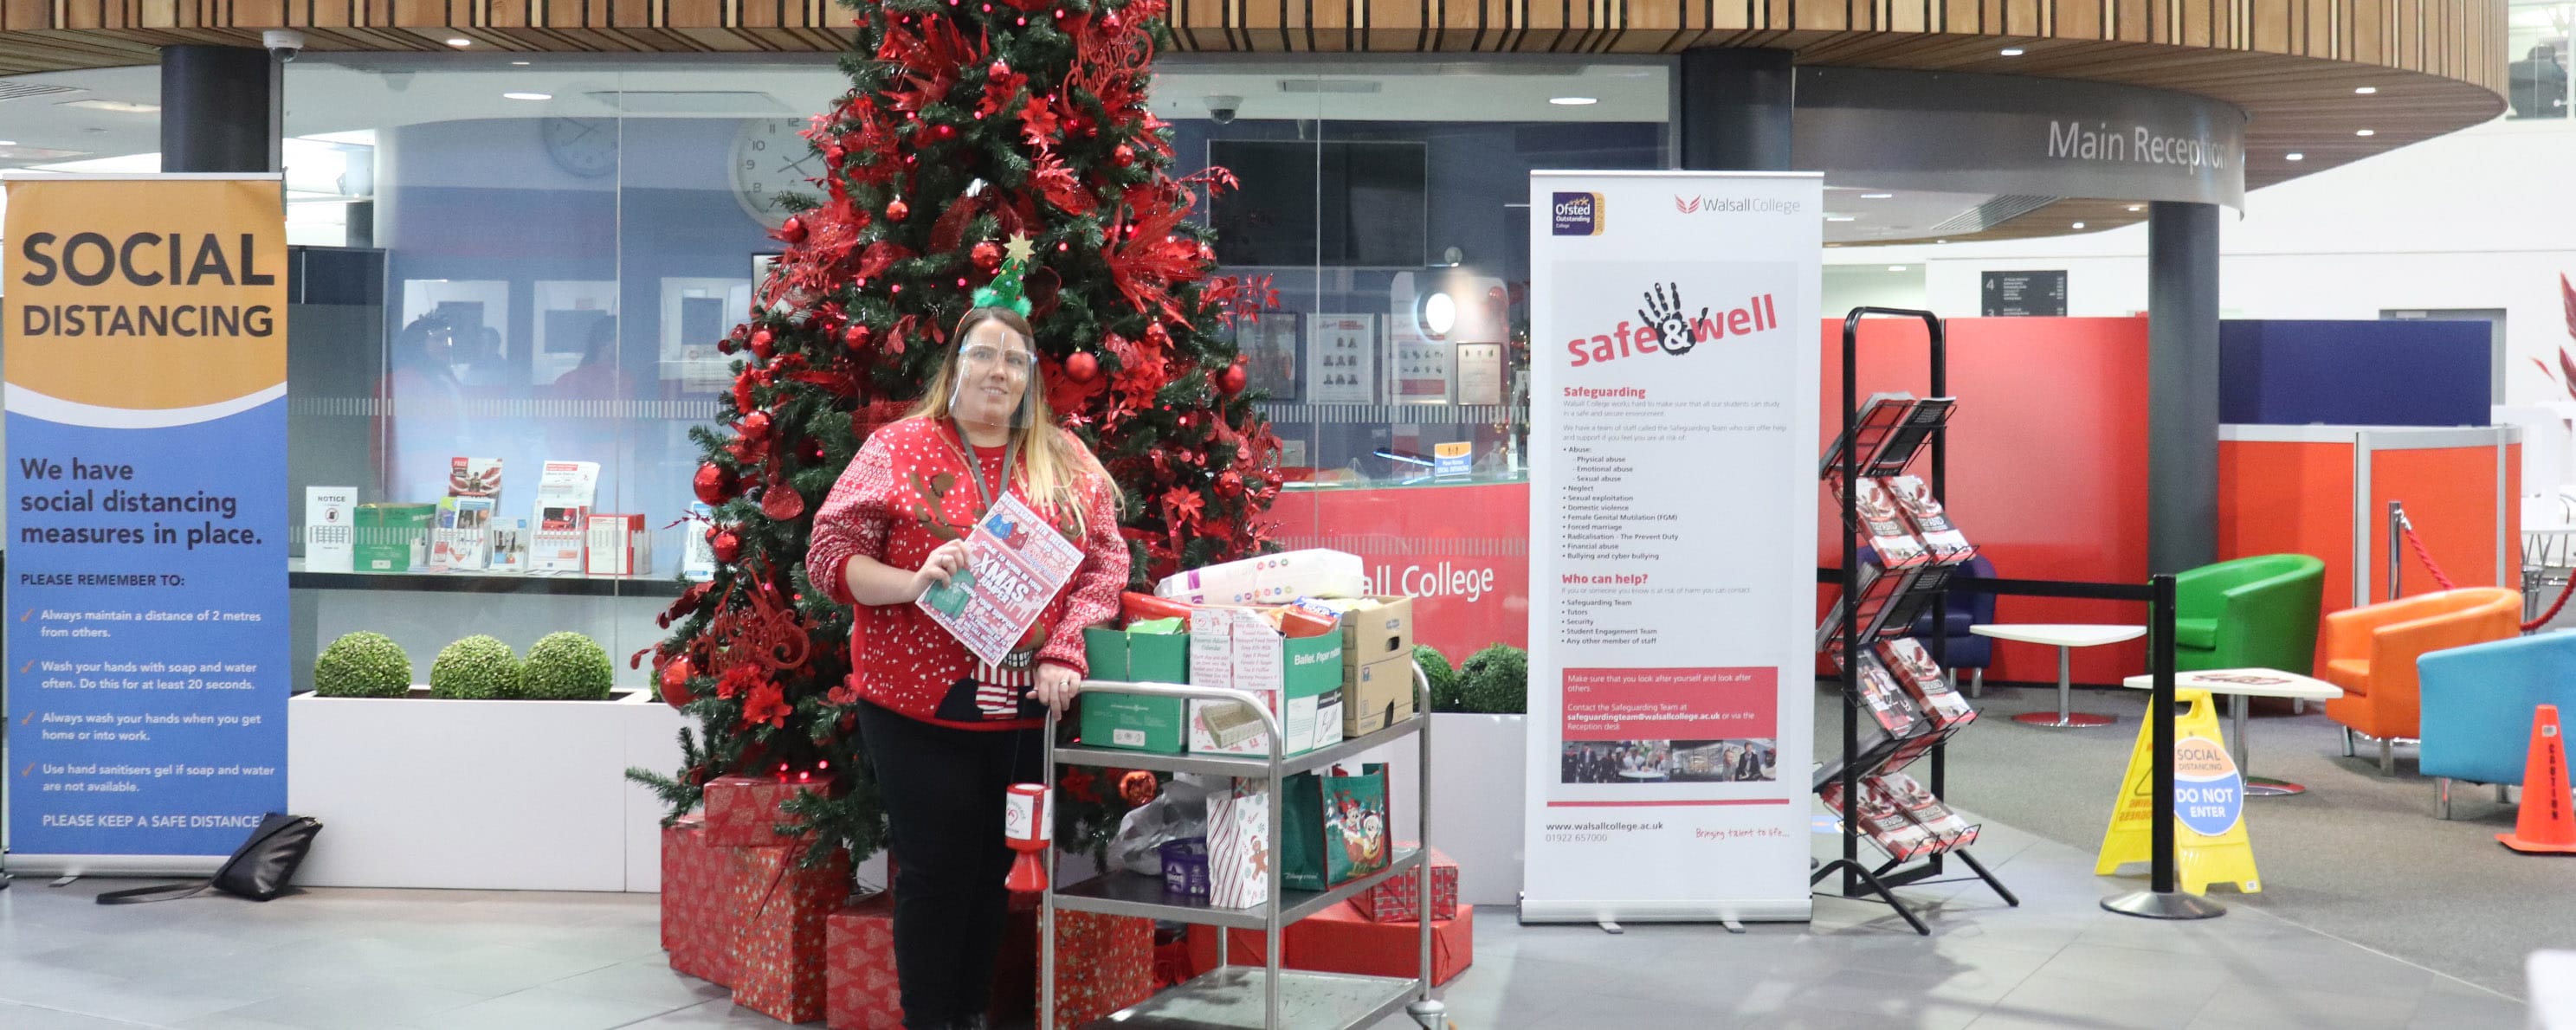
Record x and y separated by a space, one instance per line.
943 790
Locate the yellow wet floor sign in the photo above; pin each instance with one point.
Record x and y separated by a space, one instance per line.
2209 805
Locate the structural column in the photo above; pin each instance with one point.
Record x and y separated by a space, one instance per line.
1731 112
219 110
2182 386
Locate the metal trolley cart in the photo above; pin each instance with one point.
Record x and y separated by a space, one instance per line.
1265 997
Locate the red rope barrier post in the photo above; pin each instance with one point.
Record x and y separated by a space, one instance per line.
2425 555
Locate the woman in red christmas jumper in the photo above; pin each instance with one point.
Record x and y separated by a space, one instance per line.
945 733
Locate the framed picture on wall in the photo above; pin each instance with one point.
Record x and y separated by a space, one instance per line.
1341 359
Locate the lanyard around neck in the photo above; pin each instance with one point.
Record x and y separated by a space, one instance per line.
975 466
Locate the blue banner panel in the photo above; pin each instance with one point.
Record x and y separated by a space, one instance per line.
147 694
2392 373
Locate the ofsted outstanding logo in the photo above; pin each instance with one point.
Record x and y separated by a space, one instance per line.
1576 214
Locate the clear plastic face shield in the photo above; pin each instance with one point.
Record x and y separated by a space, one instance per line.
995 380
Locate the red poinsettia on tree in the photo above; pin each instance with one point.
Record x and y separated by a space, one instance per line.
969 123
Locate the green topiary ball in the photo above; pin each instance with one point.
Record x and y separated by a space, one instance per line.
568 667
1496 680
362 664
477 668
1444 680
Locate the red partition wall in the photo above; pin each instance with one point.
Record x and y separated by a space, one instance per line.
2047 462
2284 497
1462 553
2452 496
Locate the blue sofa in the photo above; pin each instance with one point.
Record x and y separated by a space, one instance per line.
1967 651
2477 705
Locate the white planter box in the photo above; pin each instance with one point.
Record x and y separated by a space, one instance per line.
494 795
1477 782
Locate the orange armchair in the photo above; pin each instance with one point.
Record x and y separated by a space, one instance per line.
2370 652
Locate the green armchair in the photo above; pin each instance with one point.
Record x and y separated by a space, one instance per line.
2258 612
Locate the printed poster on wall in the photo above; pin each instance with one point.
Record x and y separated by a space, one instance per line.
1674 407
146 590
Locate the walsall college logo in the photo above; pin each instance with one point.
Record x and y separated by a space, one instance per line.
1576 214
1686 206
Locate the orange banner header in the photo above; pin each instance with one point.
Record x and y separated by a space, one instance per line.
143 294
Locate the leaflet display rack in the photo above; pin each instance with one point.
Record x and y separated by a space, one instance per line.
1233 997
1880 440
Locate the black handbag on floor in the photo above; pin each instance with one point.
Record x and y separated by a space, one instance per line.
259 871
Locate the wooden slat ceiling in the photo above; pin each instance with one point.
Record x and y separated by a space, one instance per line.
2293 65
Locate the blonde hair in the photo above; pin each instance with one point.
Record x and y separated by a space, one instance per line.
1052 463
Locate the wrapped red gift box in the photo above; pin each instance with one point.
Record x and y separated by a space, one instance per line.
859 981
743 811
1400 896
697 879
778 913
1340 940
1102 964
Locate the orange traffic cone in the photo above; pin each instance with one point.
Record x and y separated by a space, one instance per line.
2545 824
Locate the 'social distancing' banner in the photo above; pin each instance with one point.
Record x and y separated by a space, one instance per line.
146 590
1672 490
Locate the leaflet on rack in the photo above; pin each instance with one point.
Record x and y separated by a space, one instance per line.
565 492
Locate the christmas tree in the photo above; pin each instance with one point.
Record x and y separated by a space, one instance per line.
974 131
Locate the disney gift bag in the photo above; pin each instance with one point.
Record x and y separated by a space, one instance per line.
1334 828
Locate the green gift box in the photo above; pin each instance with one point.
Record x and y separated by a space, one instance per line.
1133 722
392 537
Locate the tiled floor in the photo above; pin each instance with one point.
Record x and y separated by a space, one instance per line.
494 961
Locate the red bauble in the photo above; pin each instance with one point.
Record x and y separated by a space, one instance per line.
1233 379
1229 484
715 484
1160 337
1123 155
754 426
897 210
727 545
944 131
855 337
675 681
1138 787
793 231
988 256
761 343
725 346
999 69
1082 367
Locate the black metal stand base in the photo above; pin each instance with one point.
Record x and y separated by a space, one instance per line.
1884 892
2164 905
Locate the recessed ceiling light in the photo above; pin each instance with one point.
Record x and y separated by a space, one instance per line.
2294 156
1573 101
1896 268
1838 218
1876 196
2365 132
2137 207
528 96
2079 225
2012 51
460 41
521 64
1940 241
8 142
2365 90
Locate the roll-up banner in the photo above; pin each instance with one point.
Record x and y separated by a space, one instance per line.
1672 513
146 587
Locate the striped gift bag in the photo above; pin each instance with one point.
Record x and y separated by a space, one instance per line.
1239 845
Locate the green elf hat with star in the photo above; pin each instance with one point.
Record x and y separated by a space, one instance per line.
1006 291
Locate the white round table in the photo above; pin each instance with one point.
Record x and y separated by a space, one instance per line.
2242 684
2066 638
